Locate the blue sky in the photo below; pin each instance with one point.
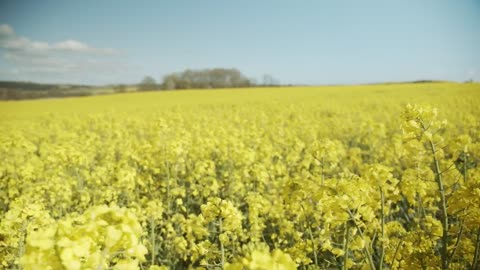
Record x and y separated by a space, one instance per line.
297 42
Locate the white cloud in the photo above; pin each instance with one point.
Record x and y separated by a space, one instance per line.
71 45
10 41
69 58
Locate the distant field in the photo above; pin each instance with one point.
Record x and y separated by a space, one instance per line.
396 95
13 90
347 177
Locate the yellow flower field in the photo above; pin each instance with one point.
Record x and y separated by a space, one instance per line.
340 177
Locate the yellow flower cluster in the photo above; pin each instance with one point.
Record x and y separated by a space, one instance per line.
309 178
103 236
262 260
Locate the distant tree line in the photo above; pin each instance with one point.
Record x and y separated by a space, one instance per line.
31 86
187 79
14 90
13 94
204 79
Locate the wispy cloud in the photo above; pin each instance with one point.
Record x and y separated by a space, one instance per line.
59 61
10 41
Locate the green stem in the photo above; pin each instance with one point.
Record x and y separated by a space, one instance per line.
22 241
360 232
395 254
222 249
152 239
313 245
459 237
382 252
443 207
476 253
443 202
168 186
345 247
461 222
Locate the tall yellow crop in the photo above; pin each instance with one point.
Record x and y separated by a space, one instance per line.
346 177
